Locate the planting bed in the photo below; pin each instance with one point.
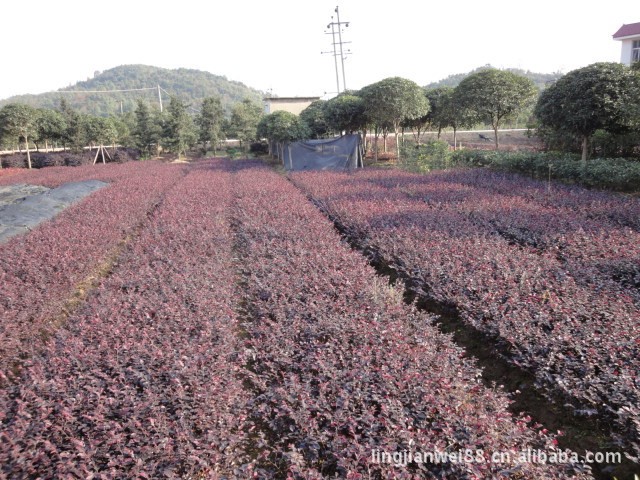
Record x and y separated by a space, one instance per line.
551 275
44 272
234 335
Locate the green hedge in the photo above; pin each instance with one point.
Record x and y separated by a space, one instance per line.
616 174
433 155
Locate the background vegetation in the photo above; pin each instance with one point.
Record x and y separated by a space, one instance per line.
593 111
190 86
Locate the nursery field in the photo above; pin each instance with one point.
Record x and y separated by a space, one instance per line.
208 320
552 276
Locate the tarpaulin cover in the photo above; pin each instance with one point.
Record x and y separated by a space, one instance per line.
340 153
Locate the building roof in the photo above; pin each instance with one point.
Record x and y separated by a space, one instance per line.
630 30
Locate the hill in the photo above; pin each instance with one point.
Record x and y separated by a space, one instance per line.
189 85
540 79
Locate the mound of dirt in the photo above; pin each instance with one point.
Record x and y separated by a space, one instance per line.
22 206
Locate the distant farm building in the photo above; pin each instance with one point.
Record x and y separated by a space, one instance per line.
629 35
293 105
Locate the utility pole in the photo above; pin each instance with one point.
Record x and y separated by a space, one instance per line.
344 81
160 98
340 43
335 55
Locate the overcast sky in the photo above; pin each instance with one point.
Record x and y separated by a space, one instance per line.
276 44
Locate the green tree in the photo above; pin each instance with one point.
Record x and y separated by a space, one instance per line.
455 114
19 121
282 127
244 121
419 124
315 117
125 124
495 95
50 127
601 96
179 130
75 133
147 130
438 97
210 123
100 130
392 101
345 113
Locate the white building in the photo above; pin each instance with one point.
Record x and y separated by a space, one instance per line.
294 105
629 35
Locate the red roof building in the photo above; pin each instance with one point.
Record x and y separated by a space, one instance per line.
631 30
629 35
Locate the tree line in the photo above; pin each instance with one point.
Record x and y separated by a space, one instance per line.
603 98
600 99
187 84
176 129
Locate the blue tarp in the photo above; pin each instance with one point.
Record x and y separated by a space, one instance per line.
340 153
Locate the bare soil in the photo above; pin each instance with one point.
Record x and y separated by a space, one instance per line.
510 140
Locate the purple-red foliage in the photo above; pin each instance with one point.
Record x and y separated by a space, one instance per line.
69 159
40 270
552 274
342 367
6 172
158 376
143 381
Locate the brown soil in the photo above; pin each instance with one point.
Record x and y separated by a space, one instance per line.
519 140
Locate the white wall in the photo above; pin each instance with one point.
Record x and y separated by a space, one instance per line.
625 55
293 106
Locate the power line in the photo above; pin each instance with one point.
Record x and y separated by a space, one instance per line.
157 87
105 91
121 90
171 95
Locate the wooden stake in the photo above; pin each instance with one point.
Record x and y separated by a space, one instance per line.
106 150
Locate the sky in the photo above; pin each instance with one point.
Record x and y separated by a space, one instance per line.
275 45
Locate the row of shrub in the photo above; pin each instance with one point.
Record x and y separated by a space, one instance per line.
69 159
617 174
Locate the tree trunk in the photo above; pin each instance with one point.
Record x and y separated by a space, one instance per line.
439 132
495 133
384 141
26 144
585 148
395 133
455 138
375 148
375 145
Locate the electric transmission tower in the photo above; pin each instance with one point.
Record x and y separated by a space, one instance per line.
338 51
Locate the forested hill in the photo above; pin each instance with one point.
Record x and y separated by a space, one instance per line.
540 79
189 85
